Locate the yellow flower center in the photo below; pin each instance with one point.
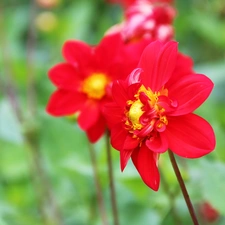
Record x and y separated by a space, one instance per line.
95 85
135 113
146 112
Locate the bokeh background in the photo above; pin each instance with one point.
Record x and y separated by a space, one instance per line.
46 177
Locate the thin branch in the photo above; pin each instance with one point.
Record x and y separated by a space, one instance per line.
8 86
111 182
47 199
9 89
100 200
32 132
39 177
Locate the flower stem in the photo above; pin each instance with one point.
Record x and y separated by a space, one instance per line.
183 188
101 204
111 181
43 184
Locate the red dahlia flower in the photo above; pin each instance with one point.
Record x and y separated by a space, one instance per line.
146 20
128 3
153 109
84 81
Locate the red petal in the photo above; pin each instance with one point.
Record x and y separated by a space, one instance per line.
113 114
190 92
145 161
116 58
132 90
134 77
63 102
97 130
119 93
130 57
89 115
64 76
158 62
118 135
158 144
106 52
184 66
130 143
124 157
77 53
190 136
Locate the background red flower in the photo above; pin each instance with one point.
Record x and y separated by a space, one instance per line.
84 81
143 19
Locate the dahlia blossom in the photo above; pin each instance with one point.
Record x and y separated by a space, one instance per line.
143 19
152 111
84 81
128 3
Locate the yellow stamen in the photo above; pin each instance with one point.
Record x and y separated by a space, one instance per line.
94 86
164 120
135 113
137 109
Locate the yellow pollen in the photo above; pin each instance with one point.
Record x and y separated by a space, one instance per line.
135 113
164 120
153 97
94 86
146 101
160 125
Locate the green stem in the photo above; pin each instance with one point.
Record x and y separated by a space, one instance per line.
100 201
8 86
39 176
43 185
10 91
111 181
183 188
54 214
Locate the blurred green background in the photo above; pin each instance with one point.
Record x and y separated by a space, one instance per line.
46 176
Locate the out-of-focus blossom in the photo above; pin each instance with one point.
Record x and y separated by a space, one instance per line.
146 20
47 3
84 81
128 3
208 212
152 111
46 21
